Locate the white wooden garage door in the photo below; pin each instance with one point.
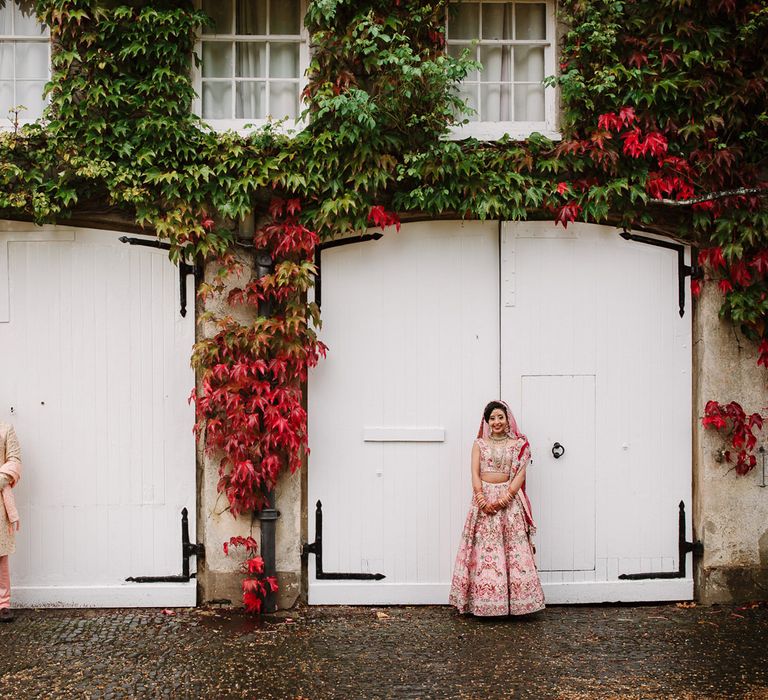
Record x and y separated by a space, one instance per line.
578 330
95 380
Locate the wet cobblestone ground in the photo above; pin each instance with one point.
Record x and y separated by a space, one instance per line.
643 652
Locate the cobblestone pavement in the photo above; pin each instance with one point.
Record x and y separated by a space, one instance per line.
637 652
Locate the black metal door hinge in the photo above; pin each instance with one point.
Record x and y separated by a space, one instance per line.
188 549
185 268
335 244
316 548
683 547
693 271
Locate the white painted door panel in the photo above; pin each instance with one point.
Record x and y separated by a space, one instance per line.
561 409
411 322
586 302
578 330
99 393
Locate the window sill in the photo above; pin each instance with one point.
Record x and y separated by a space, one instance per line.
493 131
7 124
246 127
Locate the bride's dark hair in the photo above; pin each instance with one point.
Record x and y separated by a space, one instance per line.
491 407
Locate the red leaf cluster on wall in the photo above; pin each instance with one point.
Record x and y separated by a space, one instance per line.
738 426
255 585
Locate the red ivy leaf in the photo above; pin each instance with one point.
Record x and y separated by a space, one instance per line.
627 115
252 602
760 262
740 273
638 59
716 257
725 286
568 213
763 358
255 565
379 216
695 288
276 207
654 143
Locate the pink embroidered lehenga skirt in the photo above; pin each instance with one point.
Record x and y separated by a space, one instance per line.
495 572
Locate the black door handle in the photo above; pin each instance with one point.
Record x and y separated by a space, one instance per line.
557 450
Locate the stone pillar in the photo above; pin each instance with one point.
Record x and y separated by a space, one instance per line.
219 575
730 512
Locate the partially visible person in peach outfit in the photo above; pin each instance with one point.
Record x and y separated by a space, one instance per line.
10 473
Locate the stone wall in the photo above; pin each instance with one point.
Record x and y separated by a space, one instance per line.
730 512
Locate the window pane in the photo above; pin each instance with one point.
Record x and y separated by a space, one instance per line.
456 50
284 17
250 100
496 62
217 59
32 60
284 60
251 60
531 21
497 20
529 103
495 103
221 13
30 94
463 21
6 101
283 100
25 20
6 62
217 100
529 64
5 23
252 17
468 94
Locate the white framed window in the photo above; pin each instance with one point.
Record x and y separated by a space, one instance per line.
515 43
25 60
253 62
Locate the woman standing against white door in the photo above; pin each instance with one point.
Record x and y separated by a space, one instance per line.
495 572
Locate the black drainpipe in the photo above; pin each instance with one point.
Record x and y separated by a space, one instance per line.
269 515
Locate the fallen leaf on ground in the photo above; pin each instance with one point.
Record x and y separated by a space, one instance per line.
686 605
167 611
381 615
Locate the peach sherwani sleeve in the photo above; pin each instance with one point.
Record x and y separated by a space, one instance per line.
11 466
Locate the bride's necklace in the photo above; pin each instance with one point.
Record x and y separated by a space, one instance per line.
497 451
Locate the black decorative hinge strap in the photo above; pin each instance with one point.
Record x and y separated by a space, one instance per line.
316 548
188 549
683 547
683 270
185 268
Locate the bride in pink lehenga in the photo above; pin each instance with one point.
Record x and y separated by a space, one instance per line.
495 572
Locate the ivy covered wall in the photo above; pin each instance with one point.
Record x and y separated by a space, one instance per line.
664 128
